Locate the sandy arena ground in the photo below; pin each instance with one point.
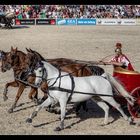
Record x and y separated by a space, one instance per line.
77 42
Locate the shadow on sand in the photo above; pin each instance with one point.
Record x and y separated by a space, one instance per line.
15 27
94 111
20 27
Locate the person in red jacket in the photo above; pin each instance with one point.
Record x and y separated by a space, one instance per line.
120 59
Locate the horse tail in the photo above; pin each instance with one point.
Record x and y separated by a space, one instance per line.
120 88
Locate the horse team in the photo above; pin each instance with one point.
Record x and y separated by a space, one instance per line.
75 82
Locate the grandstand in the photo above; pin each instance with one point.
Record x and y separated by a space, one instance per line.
73 11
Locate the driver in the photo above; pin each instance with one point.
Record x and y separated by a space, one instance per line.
119 59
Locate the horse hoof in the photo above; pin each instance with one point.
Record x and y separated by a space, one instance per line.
50 110
29 120
10 110
132 123
57 129
5 98
77 113
35 101
57 112
39 101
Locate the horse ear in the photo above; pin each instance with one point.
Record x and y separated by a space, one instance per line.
11 48
31 50
27 50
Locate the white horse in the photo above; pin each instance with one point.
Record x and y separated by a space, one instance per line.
63 87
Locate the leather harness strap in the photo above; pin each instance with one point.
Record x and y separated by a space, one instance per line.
69 91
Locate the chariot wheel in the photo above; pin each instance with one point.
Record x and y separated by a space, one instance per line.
135 110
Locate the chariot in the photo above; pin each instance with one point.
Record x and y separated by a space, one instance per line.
131 82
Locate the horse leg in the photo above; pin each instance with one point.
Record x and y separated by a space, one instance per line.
46 103
105 107
44 88
20 91
10 25
44 97
12 84
33 91
63 104
118 107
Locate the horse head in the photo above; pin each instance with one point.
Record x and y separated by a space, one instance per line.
14 59
33 58
5 61
8 59
40 72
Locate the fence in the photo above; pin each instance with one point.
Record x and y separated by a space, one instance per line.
75 21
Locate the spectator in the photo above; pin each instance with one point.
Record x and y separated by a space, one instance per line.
73 11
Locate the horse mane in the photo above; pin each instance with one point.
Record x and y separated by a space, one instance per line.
39 55
21 52
96 70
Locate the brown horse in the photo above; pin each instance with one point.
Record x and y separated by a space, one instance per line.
66 65
21 63
10 60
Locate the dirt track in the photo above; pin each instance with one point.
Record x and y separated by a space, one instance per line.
77 42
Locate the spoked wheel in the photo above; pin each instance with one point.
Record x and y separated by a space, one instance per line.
135 110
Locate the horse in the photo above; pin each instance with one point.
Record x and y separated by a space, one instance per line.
65 88
16 60
7 19
20 62
66 65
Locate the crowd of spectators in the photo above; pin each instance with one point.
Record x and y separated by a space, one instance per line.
73 11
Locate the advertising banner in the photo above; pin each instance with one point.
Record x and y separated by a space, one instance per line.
45 21
66 21
116 22
107 22
137 21
25 22
128 21
86 21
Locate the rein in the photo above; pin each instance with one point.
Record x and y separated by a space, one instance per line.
92 62
32 85
62 89
63 75
106 57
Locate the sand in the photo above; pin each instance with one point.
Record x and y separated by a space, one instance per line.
91 43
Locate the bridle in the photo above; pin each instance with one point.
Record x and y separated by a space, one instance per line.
44 73
51 87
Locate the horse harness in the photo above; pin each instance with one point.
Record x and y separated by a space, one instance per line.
59 88
51 87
